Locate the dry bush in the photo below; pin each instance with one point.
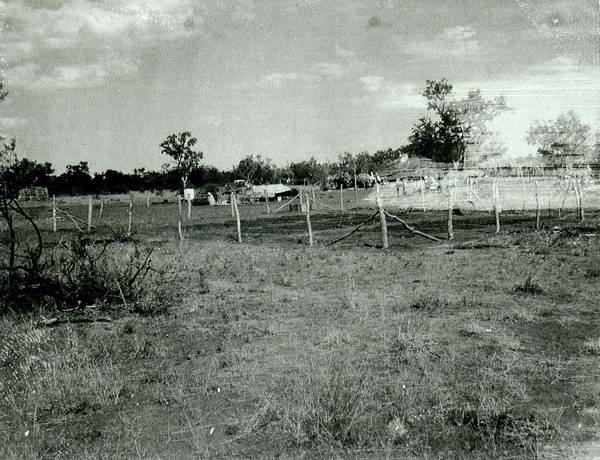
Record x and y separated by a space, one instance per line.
326 403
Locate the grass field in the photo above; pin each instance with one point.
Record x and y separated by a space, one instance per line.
482 347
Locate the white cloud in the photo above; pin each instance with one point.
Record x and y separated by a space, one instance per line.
13 122
278 79
403 96
33 77
459 33
456 41
344 53
33 30
210 120
330 69
392 95
372 83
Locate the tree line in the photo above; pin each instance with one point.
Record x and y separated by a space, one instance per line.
77 179
454 131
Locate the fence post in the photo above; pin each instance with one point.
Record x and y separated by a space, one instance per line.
231 201
267 200
301 195
450 209
579 197
355 190
179 229
522 189
54 213
537 207
148 200
341 197
130 214
384 235
89 220
496 192
312 191
237 217
189 207
422 193
310 234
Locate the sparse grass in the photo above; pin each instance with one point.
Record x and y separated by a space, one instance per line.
276 350
325 403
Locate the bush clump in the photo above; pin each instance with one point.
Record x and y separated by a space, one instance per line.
529 286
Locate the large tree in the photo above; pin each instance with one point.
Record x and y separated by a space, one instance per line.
455 125
255 170
563 140
475 112
441 137
179 148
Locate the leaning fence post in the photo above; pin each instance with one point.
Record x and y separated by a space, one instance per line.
237 217
89 220
130 214
179 229
341 197
384 235
310 234
101 209
312 191
537 207
267 200
54 213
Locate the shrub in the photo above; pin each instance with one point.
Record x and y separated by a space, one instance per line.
429 302
529 286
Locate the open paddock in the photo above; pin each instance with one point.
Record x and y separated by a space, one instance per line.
481 347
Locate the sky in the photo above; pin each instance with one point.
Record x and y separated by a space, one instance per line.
105 81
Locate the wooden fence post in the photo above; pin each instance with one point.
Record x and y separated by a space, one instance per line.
496 192
231 201
422 193
179 229
523 190
148 200
384 235
89 220
312 191
189 207
130 220
302 206
267 200
308 224
537 207
341 197
450 209
579 197
237 217
355 190
101 209
54 213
